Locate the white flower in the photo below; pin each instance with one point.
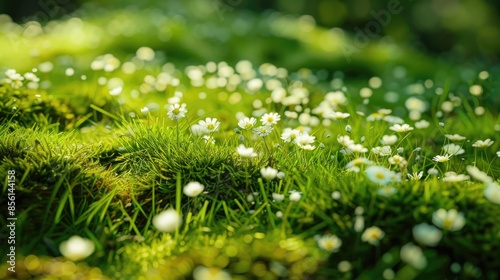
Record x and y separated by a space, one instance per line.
453 149
336 195
413 255
379 175
247 123
397 159
167 221
345 140
478 174
193 189
401 128
329 242
348 128
295 196
455 137
290 135
359 223
115 91
210 273
338 115
209 125
372 235
357 148
246 152
355 163
388 140
176 111
263 130
492 193
308 147
498 153
77 248
268 173
450 220
415 176
444 158
281 175
422 124
427 234
278 197
270 118
304 139
483 144
387 191
451 176
382 151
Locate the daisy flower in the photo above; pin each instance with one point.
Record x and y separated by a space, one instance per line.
77 248
329 242
290 135
379 175
451 220
426 234
247 123
413 255
193 189
268 173
246 152
492 193
455 137
401 128
453 149
357 148
167 221
415 176
372 235
270 119
444 158
454 177
263 130
483 144
209 125
478 174
345 140
338 115
397 159
388 140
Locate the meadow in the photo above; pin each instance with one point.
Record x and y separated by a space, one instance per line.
250 150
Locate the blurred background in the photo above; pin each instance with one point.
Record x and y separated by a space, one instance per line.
460 29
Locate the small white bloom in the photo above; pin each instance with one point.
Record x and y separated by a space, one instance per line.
453 149
246 152
398 160
281 175
209 125
295 196
478 174
451 220
422 124
427 234
278 197
336 195
345 140
247 123
388 140
378 174
176 111
492 193
263 130
348 128
270 118
455 137
382 151
372 235
357 148
483 144
433 171
268 173
193 189
77 248
338 115
359 223
304 139
401 128
329 242
451 176
210 273
290 135
209 139
444 158
413 255
387 191
167 221
415 176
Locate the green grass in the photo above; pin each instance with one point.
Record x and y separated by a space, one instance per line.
96 165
